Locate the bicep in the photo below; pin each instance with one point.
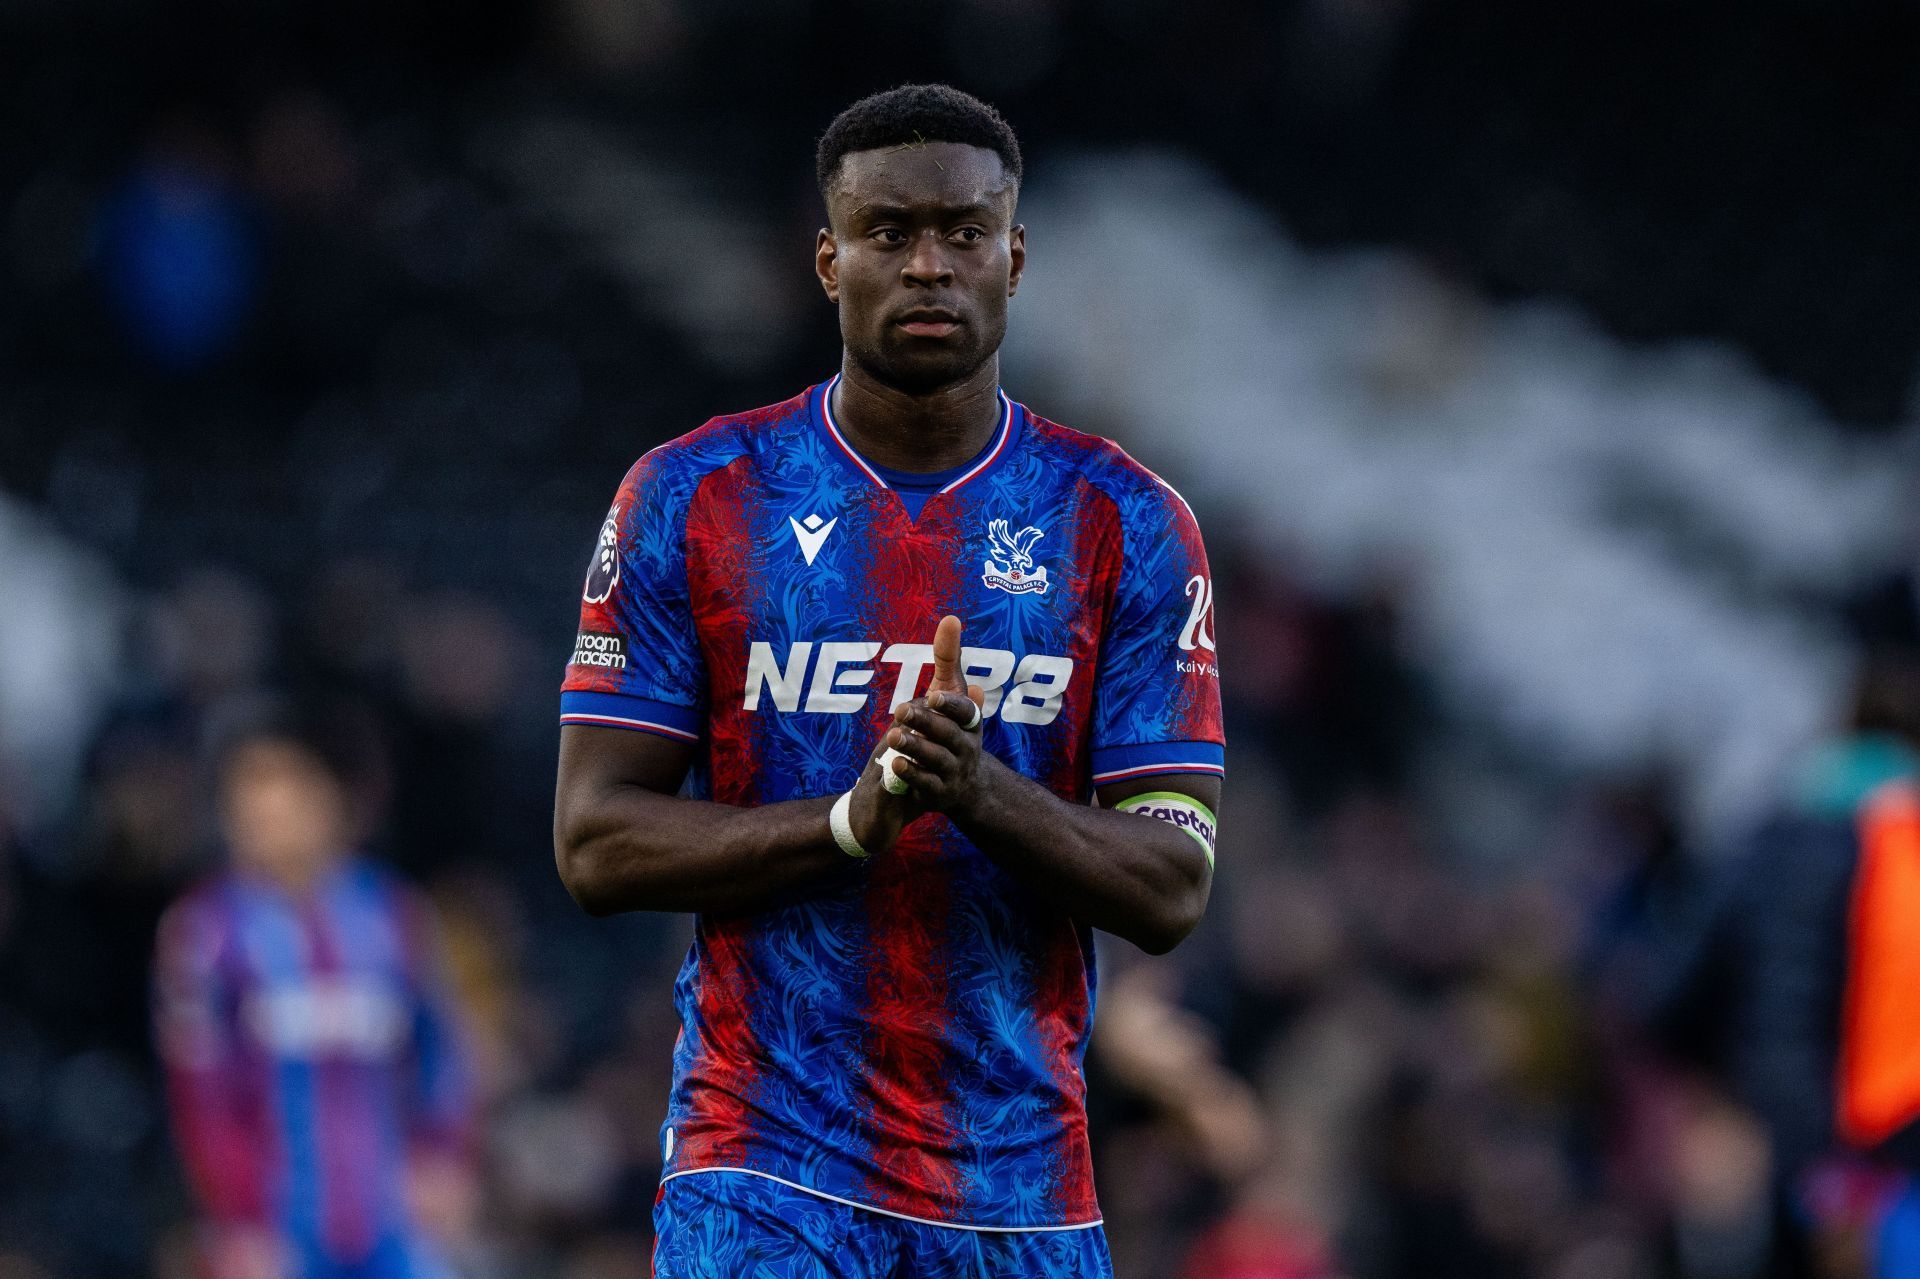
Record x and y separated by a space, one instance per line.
1202 787
594 761
1185 801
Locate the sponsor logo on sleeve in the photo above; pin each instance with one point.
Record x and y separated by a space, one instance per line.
604 574
1196 637
600 648
1009 566
1198 632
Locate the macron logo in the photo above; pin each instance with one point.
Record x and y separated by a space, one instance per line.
812 534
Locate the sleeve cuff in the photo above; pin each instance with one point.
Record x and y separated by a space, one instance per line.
1123 763
618 710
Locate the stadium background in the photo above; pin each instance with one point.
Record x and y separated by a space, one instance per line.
1543 376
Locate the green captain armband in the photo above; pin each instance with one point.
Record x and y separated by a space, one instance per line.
1183 811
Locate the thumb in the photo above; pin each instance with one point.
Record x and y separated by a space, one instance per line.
946 657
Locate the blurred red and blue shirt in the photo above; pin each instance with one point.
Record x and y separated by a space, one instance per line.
311 1047
908 1035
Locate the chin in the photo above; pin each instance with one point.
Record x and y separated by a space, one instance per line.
920 372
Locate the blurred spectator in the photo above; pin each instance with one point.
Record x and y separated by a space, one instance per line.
1796 982
319 1085
181 253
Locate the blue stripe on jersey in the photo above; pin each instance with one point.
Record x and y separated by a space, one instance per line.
282 952
1119 763
618 710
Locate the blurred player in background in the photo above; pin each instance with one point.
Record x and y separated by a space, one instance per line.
898 580
313 1063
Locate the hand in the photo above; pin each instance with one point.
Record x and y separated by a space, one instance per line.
443 1195
939 754
247 1252
876 815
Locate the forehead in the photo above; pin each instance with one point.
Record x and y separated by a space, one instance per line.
942 174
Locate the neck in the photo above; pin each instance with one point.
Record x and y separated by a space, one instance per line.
298 880
918 433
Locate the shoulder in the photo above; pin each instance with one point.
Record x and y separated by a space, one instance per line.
380 889
676 468
1140 495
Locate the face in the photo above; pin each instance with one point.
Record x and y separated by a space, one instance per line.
284 814
921 257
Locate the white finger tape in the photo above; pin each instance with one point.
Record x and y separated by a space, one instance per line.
895 784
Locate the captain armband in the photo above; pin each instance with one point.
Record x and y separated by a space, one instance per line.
1183 811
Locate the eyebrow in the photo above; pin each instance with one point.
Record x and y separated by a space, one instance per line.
900 212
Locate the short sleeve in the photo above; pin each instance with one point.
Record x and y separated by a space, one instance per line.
1157 695
636 660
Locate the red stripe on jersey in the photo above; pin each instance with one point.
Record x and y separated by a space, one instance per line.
348 1167
726 582
717 1128
908 1050
914 583
1060 1014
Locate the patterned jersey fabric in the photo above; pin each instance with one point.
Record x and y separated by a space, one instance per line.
714 1226
907 1035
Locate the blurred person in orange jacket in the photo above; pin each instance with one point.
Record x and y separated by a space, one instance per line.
1803 981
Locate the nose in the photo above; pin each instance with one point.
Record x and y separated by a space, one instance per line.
927 265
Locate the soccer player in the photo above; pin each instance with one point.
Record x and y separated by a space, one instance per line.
312 1061
900 579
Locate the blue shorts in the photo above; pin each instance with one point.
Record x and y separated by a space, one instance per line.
394 1257
728 1225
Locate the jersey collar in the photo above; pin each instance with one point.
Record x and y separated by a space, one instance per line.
991 456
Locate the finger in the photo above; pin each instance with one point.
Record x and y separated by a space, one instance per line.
941 726
958 707
946 656
925 752
890 780
925 785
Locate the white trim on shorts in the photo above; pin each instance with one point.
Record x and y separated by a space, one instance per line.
887 1212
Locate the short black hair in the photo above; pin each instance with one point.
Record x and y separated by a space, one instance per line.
325 730
915 113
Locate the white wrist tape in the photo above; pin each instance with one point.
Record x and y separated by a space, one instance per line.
1183 811
842 827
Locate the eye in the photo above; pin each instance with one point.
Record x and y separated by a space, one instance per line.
970 234
888 235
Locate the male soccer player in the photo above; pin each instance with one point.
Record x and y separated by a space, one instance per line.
312 1057
887 999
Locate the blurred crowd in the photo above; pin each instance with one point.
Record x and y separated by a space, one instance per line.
318 362
1375 1059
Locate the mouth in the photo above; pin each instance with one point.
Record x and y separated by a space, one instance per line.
928 322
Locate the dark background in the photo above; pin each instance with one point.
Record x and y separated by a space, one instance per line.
327 330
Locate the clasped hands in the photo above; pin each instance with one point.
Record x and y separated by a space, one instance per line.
940 759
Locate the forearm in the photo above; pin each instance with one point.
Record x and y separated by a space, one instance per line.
1129 875
636 849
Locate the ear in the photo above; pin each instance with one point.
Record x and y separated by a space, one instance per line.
1017 258
826 263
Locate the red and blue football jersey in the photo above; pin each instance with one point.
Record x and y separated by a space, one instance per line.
908 1034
